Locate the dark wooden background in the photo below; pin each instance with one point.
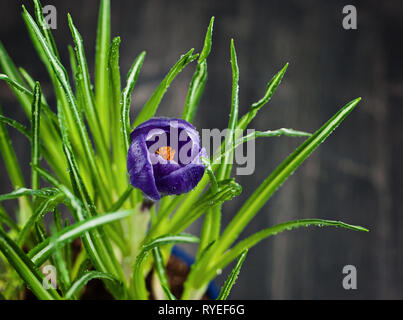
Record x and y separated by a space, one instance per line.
355 176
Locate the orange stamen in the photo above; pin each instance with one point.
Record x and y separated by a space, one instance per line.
166 152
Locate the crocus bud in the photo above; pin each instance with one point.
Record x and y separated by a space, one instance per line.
164 157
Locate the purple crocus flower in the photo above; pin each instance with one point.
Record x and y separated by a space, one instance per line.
164 157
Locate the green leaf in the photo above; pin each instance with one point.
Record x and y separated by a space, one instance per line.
125 100
131 80
188 200
160 267
60 264
40 232
82 265
199 78
255 107
29 95
46 206
210 172
102 97
252 206
16 125
274 133
35 127
42 251
224 170
209 232
85 278
68 251
258 134
212 221
73 64
225 290
115 75
41 193
163 216
217 158
228 190
25 268
48 115
262 194
45 27
207 42
254 239
87 94
118 204
118 151
138 276
62 259
40 37
151 106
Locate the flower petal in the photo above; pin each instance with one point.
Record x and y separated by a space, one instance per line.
140 168
161 166
184 179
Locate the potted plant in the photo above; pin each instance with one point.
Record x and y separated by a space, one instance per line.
128 212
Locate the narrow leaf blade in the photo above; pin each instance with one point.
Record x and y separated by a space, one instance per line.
229 283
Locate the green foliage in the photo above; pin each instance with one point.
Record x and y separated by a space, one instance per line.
84 147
